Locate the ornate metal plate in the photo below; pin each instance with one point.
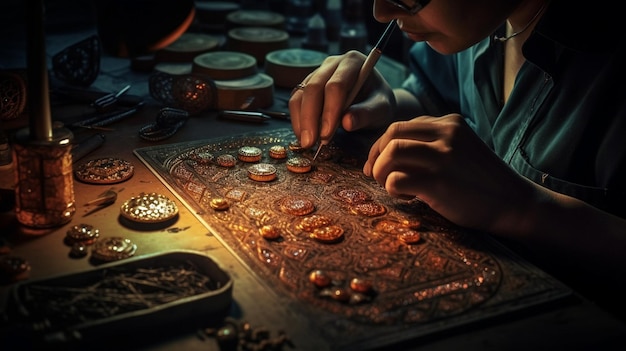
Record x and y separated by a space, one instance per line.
425 274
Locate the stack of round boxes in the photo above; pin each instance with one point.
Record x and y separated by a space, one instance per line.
254 38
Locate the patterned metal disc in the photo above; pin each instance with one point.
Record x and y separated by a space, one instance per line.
113 249
82 233
106 170
297 206
149 208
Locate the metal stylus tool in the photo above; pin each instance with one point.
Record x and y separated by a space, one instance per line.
366 69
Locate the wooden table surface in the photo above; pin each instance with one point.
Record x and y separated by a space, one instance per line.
571 324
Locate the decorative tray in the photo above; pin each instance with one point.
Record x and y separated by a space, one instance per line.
368 269
115 298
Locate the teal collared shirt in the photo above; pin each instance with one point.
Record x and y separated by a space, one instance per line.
564 124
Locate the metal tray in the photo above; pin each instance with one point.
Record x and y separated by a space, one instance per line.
213 299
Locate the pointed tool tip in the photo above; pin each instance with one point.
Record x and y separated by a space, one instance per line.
319 148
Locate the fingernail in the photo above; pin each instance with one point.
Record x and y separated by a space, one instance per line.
305 138
324 128
367 169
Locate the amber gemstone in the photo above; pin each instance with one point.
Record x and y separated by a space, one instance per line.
360 285
410 236
328 234
313 222
269 232
319 278
219 204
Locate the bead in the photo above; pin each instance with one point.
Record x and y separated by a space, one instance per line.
413 223
410 236
13 268
227 337
341 294
329 234
269 232
360 285
82 233
312 222
359 298
219 204
319 278
78 250
113 248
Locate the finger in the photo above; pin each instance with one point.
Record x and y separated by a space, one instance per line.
402 185
424 128
295 105
307 103
294 112
333 108
337 89
374 114
312 102
419 129
409 157
371 158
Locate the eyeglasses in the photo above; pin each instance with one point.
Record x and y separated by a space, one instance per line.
410 6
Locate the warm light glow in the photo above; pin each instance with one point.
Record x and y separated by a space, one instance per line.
176 33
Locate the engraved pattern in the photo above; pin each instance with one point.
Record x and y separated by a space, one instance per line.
12 95
106 170
446 278
78 63
149 208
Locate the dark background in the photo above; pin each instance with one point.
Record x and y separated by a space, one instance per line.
70 15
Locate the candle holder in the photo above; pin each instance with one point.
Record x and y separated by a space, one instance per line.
44 188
